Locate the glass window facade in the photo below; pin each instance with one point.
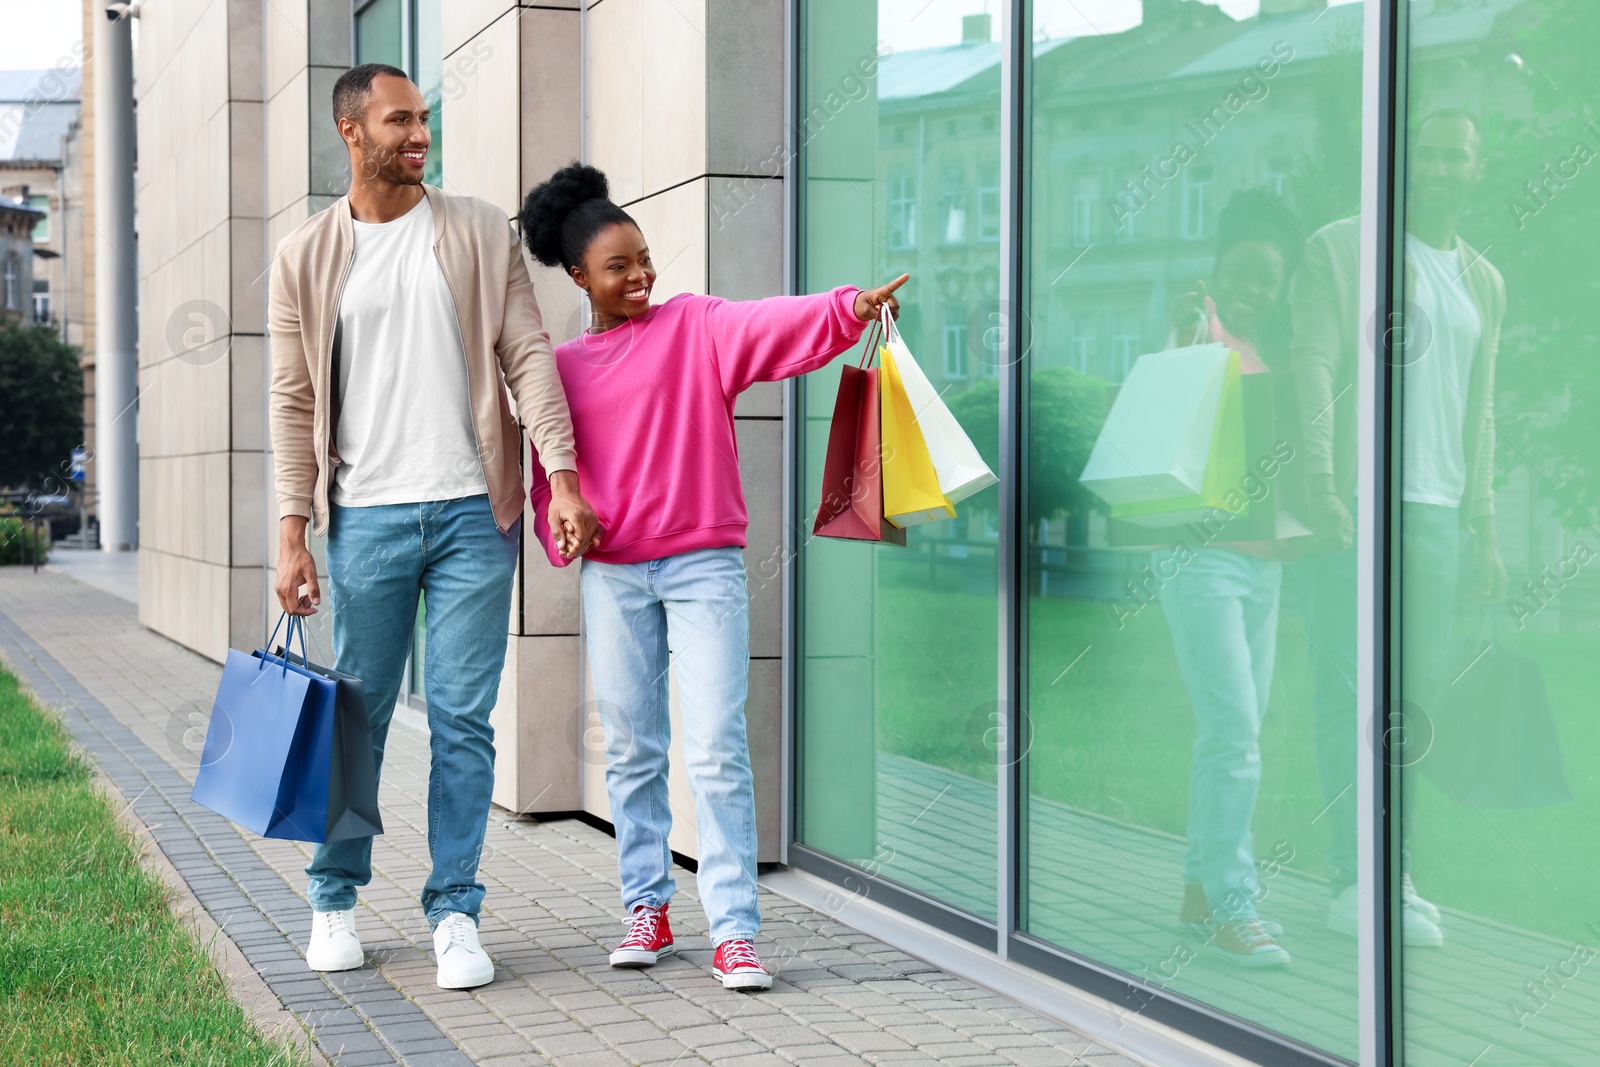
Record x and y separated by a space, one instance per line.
900 644
1498 623
1154 732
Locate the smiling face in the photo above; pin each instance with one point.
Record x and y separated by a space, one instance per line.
618 273
390 144
1446 162
1247 286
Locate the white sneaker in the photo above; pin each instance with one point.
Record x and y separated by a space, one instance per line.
335 946
462 962
1417 930
1409 897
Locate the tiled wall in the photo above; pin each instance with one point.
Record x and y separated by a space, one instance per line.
201 320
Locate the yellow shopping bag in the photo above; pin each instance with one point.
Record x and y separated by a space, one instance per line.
911 493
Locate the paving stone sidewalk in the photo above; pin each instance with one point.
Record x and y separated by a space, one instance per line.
130 698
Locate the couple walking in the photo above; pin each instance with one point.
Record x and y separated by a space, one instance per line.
399 318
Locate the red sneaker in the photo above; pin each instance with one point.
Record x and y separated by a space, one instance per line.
649 938
736 964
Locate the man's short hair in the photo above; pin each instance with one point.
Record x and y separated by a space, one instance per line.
1459 115
350 92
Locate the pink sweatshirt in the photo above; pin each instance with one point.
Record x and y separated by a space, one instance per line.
652 414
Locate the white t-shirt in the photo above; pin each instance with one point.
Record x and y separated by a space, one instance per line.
405 430
1436 381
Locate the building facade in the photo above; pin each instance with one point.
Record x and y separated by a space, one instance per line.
1345 696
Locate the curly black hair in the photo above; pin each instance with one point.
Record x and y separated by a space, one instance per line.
561 216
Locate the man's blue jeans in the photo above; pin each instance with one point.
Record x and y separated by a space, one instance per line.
1430 556
697 606
1222 609
379 559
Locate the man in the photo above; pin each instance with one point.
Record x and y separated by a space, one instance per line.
1454 302
399 316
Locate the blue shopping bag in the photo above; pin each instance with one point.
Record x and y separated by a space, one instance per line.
268 761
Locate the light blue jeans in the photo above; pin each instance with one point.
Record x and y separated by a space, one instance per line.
379 559
696 607
1222 609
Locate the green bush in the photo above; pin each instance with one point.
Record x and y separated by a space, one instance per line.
17 541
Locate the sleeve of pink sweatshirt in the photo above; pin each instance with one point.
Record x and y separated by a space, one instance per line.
781 336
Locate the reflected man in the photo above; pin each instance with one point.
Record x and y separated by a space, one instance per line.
1454 303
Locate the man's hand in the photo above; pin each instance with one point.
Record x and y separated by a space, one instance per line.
1489 570
572 521
868 301
296 568
1331 523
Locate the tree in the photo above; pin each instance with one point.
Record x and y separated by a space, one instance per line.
1065 412
41 405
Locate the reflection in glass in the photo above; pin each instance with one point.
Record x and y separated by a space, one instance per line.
899 725
1496 530
1187 664
378 34
429 76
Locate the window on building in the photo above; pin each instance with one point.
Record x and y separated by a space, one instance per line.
41 229
1127 340
1196 188
1085 205
902 211
41 300
1081 340
989 202
954 202
1274 175
13 283
955 343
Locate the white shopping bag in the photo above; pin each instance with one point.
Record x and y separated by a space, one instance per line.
1157 436
962 471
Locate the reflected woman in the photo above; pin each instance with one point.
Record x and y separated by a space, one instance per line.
1222 604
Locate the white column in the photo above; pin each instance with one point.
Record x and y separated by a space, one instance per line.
116 288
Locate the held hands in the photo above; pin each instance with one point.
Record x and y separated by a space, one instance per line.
572 521
868 301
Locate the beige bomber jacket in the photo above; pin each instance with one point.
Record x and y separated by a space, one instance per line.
501 333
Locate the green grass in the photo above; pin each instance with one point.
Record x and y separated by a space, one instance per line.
94 967
1113 736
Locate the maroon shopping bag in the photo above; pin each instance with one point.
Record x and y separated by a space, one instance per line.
852 472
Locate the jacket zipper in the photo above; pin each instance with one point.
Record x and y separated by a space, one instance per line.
338 296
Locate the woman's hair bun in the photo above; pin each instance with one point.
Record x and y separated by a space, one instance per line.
562 214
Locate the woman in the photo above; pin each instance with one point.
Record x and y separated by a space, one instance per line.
1222 604
652 390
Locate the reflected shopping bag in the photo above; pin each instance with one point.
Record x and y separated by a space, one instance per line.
911 493
268 758
852 473
1494 743
1157 438
961 471
1220 471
